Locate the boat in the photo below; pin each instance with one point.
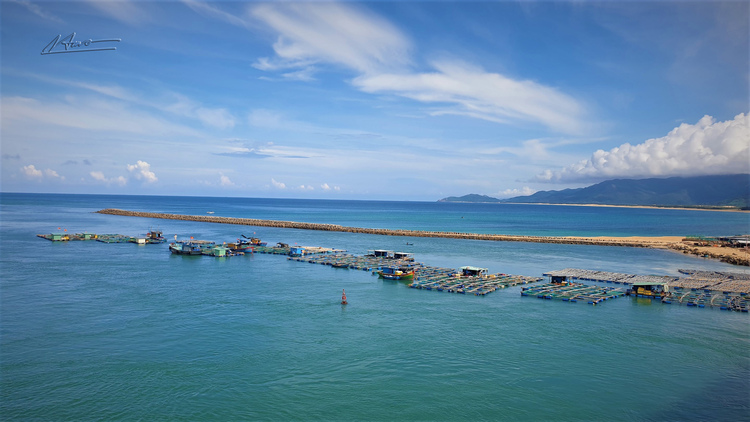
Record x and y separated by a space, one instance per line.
155 236
254 241
190 247
241 246
393 273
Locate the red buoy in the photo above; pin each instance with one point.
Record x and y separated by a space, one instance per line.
343 297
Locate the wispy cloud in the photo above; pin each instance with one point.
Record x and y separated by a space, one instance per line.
129 12
38 10
705 148
203 8
374 48
90 114
474 92
165 102
333 33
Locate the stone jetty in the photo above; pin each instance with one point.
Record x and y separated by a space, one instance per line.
385 232
639 242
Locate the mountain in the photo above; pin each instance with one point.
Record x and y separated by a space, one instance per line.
732 190
472 197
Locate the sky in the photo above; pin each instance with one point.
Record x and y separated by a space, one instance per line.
387 100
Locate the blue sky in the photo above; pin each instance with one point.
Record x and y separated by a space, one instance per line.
383 100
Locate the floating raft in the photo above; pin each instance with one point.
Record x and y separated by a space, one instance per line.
357 262
65 237
573 292
480 285
702 289
104 238
425 277
704 298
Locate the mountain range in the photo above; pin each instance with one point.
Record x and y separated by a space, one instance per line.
707 191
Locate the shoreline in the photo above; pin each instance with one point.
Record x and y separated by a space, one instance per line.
650 207
728 255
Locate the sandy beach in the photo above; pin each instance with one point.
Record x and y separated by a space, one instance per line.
727 209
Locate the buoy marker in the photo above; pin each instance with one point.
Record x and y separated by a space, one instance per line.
343 297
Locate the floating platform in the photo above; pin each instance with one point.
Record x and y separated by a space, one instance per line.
104 238
425 277
702 289
573 292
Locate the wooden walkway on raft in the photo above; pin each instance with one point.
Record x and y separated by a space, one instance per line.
730 282
713 289
573 292
425 277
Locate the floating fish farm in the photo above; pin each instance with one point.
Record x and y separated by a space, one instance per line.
573 292
425 277
703 289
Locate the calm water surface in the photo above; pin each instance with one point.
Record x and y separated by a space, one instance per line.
120 332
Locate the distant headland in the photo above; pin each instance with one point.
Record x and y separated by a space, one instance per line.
728 192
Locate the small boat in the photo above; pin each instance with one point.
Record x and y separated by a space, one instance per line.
241 246
155 236
255 241
392 273
190 247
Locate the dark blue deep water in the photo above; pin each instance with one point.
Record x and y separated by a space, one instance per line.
93 331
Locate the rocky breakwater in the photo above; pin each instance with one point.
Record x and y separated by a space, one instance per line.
734 256
385 232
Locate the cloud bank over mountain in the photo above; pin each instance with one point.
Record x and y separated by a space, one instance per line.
705 148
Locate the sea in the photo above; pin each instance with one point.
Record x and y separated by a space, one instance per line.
95 331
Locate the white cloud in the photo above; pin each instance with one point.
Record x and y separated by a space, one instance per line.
183 106
53 174
327 188
225 181
99 176
342 34
143 171
333 33
476 93
524 191
278 185
31 172
90 115
171 102
705 148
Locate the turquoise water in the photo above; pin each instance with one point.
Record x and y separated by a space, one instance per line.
120 332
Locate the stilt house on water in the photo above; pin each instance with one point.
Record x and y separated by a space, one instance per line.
649 289
469 271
